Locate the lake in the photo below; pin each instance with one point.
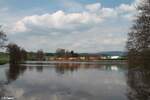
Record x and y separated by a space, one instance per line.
66 81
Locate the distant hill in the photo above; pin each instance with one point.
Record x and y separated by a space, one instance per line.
107 53
113 53
104 53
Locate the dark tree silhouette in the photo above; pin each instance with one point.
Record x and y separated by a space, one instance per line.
60 52
14 72
31 56
23 54
138 46
16 54
3 38
40 55
138 43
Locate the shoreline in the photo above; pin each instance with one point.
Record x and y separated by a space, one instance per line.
77 62
108 61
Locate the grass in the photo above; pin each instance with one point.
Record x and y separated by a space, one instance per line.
4 58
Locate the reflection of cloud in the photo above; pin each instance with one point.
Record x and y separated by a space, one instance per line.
18 93
14 91
115 68
88 82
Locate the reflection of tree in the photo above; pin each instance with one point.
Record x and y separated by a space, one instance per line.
14 71
39 68
12 74
139 84
64 67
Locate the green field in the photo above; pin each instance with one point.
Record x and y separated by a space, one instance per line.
4 58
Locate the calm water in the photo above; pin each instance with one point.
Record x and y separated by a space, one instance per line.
65 81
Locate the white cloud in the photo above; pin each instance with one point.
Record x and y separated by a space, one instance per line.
63 21
57 21
108 12
94 29
93 7
125 8
19 27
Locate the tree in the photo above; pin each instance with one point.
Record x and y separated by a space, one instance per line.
60 52
14 53
23 54
40 55
3 38
139 37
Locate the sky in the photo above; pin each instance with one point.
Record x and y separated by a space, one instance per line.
79 25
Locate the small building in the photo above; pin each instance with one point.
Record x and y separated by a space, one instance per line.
73 58
51 58
82 58
114 57
94 58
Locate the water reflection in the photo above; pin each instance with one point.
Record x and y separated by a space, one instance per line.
39 68
138 80
14 71
85 81
138 77
2 91
62 68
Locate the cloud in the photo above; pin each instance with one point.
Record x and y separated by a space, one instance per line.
125 8
108 13
96 28
93 7
64 21
91 40
19 27
57 21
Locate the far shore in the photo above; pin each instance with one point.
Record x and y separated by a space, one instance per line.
79 61
106 61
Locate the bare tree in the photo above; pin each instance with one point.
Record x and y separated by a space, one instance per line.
3 38
138 43
16 54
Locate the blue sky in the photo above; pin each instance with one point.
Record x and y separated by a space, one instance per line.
80 25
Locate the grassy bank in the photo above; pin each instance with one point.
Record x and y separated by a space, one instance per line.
4 58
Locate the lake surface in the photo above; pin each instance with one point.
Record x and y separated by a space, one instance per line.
65 81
